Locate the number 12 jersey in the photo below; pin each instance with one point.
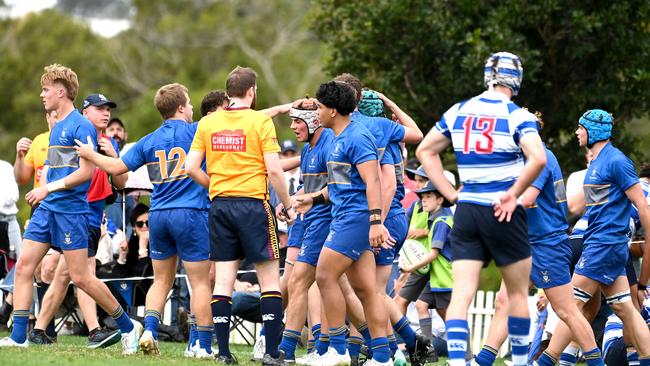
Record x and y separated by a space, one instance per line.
485 132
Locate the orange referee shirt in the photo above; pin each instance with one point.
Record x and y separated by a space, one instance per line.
234 141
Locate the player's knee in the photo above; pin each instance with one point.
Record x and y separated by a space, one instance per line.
421 306
324 279
82 281
24 269
619 302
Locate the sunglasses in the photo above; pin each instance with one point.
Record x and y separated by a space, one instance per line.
141 224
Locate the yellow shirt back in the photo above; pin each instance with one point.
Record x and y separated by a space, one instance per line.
234 142
37 155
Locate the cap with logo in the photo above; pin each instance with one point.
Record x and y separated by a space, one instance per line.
97 100
288 145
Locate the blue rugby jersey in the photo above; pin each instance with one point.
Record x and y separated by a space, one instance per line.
609 175
313 165
347 191
547 223
393 155
485 132
63 160
382 129
164 152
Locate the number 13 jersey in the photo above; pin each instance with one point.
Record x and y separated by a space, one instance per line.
485 133
164 152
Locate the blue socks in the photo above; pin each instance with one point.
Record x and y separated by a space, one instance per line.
644 361
632 358
354 345
546 360
123 321
290 339
205 337
151 321
457 336
221 311
569 356
518 329
487 356
403 328
392 344
594 358
194 334
380 350
271 307
19 333
365 333
337 338
323 343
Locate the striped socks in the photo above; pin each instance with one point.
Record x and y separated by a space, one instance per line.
518 329
288 344
19 333
123 321
337 338
457 336
151 321
487 356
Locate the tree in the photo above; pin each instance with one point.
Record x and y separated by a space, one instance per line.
430 54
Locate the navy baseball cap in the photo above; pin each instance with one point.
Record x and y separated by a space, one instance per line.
430 188
288 145
97 100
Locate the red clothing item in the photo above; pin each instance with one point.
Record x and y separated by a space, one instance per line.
409 193
100 187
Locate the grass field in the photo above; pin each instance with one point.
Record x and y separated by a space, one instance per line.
72 351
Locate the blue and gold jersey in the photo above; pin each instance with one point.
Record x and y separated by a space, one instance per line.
609 175
347 191
164 152
313 165
63 160
382 129
547 222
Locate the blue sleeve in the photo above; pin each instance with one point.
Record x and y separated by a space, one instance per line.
389 156
542 178
85 130
443 128
135 158
116 147
409 211
440 233
362 148
524 128
394 131
623 173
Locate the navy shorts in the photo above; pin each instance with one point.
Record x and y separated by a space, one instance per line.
315 234
577 244
551 263
398 227
296 233
62 231
179 231
94 234
603 263
242 227
349 234
478 235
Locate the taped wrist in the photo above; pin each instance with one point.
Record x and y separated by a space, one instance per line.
57 185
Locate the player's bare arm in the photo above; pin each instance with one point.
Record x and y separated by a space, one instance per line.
290 163
103 162
412 133
276 176
79 176
388 187
22 171
194 170
529 197
428 153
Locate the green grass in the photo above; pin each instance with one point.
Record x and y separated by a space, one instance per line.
72 351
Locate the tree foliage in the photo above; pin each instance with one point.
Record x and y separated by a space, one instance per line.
428 55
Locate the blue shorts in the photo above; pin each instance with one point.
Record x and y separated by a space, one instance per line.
349 235
62 231
179 231
398 227
603 263
315 234
551 264
296 233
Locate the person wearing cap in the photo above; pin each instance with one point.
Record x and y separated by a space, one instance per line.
97 109
499 154
438 222
611 187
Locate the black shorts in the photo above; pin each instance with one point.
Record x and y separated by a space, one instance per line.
414 285
478 235
436 300
577 244
94 234
242 228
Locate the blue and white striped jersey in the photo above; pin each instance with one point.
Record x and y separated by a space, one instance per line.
485 133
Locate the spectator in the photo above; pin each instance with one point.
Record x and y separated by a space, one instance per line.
9 227
117 131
